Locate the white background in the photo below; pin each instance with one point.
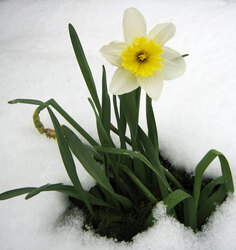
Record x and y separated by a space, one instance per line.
195 112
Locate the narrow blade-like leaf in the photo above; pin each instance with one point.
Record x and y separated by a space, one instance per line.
202 166
68 160
91 165
210 204
207 190
133 154
84 156
27 101
175 198
106 104
79 52
15 192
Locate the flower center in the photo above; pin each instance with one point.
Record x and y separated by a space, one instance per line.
143 57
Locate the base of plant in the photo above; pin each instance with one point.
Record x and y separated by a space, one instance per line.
123 226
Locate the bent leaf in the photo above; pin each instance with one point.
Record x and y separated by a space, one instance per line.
175 198
202 166
210 204
207 190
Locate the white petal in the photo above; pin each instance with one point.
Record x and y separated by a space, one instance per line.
162 32
123 81
112 52
134 25
152 85
174 65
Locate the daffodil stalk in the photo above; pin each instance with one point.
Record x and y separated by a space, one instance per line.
128 180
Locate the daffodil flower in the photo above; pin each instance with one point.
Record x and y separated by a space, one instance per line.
142 59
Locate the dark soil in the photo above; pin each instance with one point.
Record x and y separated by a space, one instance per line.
123 226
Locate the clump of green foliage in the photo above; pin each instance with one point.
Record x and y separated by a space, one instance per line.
130 178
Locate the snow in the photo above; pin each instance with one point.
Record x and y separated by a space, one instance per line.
195 112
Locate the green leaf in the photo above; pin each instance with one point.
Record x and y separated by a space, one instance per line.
121 123
15 192
172 178
65 189
115 130
175 198
210 204
70 191
139 184
133 154
190 219
205 193
58 108
106 105
40 189
94 153
153 157
68 160
61 111
91 166
202 166
79 52
85 158
27 101
226 172
199 171
105 139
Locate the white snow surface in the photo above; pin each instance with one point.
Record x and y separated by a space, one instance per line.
194 114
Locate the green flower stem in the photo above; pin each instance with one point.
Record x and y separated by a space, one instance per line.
129 104
151 124
121 123
135 179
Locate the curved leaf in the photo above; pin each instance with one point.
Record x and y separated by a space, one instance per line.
210 204
175 198
202 166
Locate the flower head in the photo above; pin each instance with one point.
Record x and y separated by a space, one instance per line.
142 59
